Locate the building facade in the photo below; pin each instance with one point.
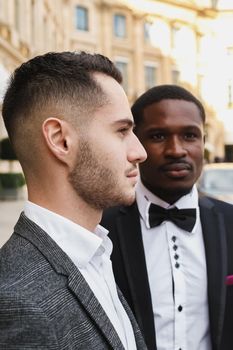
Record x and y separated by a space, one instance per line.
29 28
151 42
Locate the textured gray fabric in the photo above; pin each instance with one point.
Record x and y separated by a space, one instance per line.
45 303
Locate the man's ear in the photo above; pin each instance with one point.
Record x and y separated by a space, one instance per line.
57 136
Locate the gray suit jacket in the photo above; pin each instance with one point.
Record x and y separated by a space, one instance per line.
45 303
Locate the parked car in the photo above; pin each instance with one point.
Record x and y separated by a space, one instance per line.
216 181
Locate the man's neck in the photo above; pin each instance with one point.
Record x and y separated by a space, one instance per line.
70 207
167 196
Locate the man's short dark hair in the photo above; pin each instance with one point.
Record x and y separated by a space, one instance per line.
163 92
50 79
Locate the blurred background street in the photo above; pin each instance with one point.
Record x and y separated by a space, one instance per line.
10 211
152 42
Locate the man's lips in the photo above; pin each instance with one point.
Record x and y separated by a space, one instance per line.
177 169
133 173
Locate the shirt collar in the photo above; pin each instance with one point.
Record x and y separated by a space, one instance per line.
80 244
144 198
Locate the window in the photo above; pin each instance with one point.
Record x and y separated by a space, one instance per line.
214 3
81 18
123 68
149 31
46 34
120 26
200 85
4 76
147 28
33 16
230 76
175 76
230 92
175 32
228 153
17 14
200 43
150 76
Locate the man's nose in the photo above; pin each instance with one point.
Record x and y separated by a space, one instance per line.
137 152
175 147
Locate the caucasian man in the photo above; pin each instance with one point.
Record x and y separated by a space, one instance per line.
71 127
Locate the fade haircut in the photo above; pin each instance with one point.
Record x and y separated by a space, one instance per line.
163 92
48 82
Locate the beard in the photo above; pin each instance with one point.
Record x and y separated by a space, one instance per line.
97 184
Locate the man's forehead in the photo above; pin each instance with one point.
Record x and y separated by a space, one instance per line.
175 110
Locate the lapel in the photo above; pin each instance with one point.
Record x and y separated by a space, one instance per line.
129 233
216 261
79 287
76 283
138 335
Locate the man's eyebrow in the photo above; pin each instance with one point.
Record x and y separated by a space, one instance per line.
126 121
165 127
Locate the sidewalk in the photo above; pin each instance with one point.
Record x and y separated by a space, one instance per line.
9 213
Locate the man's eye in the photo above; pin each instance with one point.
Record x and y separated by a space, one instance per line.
123 131
190 136
157 137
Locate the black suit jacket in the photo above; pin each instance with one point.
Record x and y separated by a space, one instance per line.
130 271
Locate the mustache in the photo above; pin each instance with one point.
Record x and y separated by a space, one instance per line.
179 162
132 169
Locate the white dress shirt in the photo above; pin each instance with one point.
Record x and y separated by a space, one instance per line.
90 252
176 267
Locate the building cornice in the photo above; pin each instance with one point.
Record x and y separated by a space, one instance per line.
13 52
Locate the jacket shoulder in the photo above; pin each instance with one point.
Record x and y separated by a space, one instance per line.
111 214
218 204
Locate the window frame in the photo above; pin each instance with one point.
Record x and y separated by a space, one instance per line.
119 25
83 24
154 66
125 71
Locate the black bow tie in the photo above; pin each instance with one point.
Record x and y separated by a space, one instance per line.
183 218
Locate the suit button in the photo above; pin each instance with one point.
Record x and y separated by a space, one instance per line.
177 265
180 308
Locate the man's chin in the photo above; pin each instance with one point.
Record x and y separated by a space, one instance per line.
114 202
172 194
129 200
126 200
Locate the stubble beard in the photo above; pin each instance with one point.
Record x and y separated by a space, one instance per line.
95 183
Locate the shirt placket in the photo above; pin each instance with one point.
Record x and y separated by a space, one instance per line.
179 289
